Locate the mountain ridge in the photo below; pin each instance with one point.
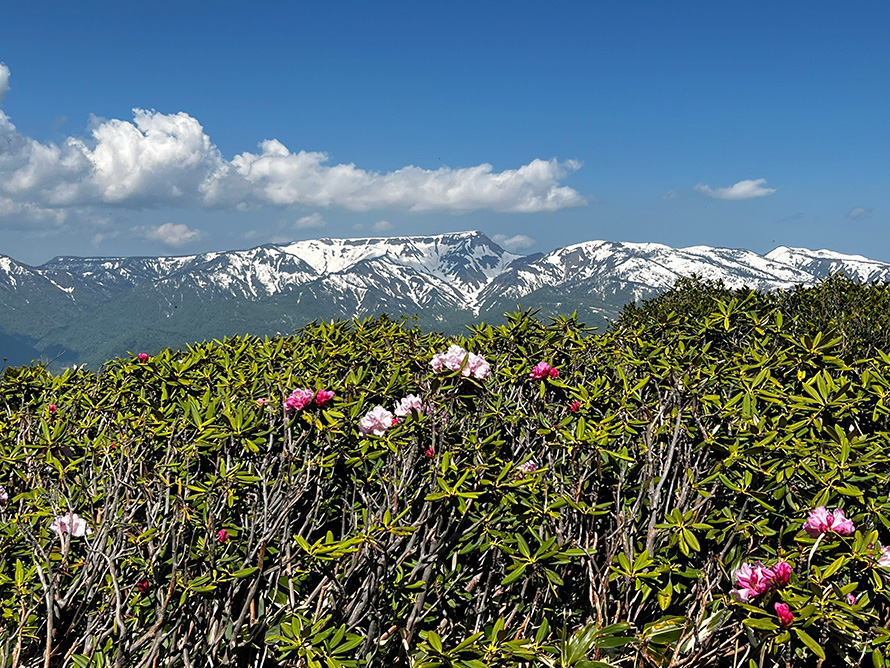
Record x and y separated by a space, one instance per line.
86 309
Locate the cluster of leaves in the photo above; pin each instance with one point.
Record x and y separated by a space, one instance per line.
669 450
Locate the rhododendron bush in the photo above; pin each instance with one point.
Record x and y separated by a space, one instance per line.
708 489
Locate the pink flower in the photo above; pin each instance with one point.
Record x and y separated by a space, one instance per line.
222 535
298 400
786 619
430 453
409 404
51 408
851 599
541 371
376 421
554 372
781 573
70 523
323 396
455 357
575 406
143 357
751 581
142 587
821 521
262 402
4 496
884 559
528 467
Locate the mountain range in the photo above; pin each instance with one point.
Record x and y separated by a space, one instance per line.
86 310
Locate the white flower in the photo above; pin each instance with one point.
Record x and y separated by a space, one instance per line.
376 421
70 523
407 404
454 357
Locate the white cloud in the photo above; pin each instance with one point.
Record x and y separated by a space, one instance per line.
4 81
670 194
382 226
312 221
859 212
162 159
741 190
171 234
515 243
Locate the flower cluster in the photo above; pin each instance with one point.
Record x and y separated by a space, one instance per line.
822 521
376 421
406 405
752 580
300 398
70 523
456 357
542 370
528 467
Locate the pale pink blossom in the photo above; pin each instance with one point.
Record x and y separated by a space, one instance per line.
299 399
528 467
751 581
70 523
822 521
781 573
786 619
406 405
262 402
4 496
323 396
456 357
884 559
376 421
852 599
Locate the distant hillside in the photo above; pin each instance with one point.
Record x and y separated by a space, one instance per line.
85 310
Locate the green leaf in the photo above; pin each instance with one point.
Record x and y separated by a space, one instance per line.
435 641
807 640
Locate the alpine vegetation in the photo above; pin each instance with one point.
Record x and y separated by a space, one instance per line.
703 484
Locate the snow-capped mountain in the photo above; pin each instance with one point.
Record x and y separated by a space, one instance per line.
89 308
822 263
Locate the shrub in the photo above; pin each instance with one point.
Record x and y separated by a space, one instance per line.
632 509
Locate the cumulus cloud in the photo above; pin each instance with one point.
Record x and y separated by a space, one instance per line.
517 242
4 81
741 190
159 159
859 212
310 222
382 226
171 234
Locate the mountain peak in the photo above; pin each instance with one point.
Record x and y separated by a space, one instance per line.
447 279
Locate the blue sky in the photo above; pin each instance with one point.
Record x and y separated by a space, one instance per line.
170 128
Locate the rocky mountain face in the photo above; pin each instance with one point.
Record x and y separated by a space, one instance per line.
76 310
